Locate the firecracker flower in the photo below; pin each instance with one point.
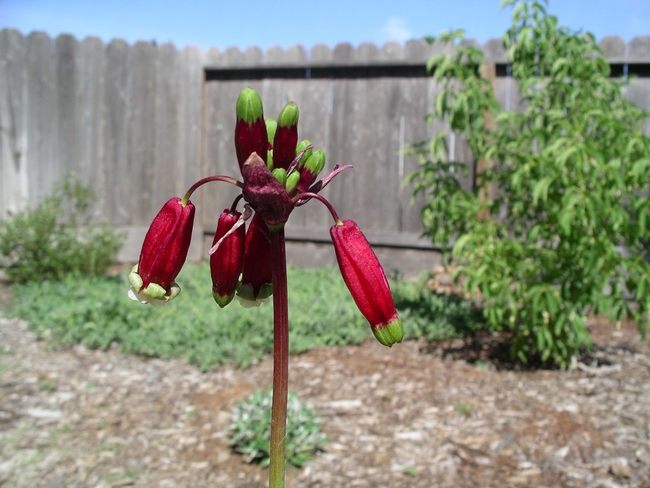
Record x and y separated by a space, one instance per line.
227 261
367 281
163 253
279 173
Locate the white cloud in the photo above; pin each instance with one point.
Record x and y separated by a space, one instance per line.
396 30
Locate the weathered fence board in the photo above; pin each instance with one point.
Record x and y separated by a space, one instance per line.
140 123
13 94
118 189
142 150
42 118
167 150
66 57
90 116
189 126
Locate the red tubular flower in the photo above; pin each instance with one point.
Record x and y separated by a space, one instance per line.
286 136
366 280
227 261
257 273
250 129
163 253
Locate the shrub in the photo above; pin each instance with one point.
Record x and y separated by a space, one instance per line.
251 426
435 316
54 239
564 189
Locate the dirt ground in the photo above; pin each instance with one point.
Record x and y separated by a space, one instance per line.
416 415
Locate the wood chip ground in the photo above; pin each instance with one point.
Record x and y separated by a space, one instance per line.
410 416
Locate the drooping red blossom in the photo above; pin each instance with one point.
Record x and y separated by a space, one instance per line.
366 280
164 249
250 128
227 261
257 274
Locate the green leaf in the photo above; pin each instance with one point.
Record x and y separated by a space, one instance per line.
541 189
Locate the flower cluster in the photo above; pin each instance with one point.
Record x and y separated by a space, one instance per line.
279 173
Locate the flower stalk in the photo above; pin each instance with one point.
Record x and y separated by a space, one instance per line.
280 358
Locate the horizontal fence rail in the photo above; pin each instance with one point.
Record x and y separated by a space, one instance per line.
139 123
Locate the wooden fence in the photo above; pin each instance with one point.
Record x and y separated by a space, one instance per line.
140 123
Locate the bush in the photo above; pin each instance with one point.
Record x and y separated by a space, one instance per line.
251 426
435 316
564 189
54 239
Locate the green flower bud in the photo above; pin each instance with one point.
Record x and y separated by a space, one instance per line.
300 148
250 131
310 170
288 115
269 159
292 181
271 125
280 175
249 106
316 162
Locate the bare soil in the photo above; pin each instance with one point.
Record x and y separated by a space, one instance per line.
453 414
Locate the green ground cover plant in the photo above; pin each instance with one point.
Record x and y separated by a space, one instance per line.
95 311
558 224
55 239
251 429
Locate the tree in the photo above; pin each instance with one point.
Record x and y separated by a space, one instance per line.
557 225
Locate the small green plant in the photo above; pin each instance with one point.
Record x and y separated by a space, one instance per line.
55 239
483 365
463 408
47 386
562 191
410 471
251 428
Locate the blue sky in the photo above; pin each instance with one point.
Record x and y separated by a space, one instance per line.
266 23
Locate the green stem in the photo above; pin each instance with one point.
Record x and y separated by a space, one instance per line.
280 358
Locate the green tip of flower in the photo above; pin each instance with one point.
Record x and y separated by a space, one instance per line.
249 106
271 126
222 301
266 290
134 278
154 294
247 298
174 291
390 333
155 291
288 115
